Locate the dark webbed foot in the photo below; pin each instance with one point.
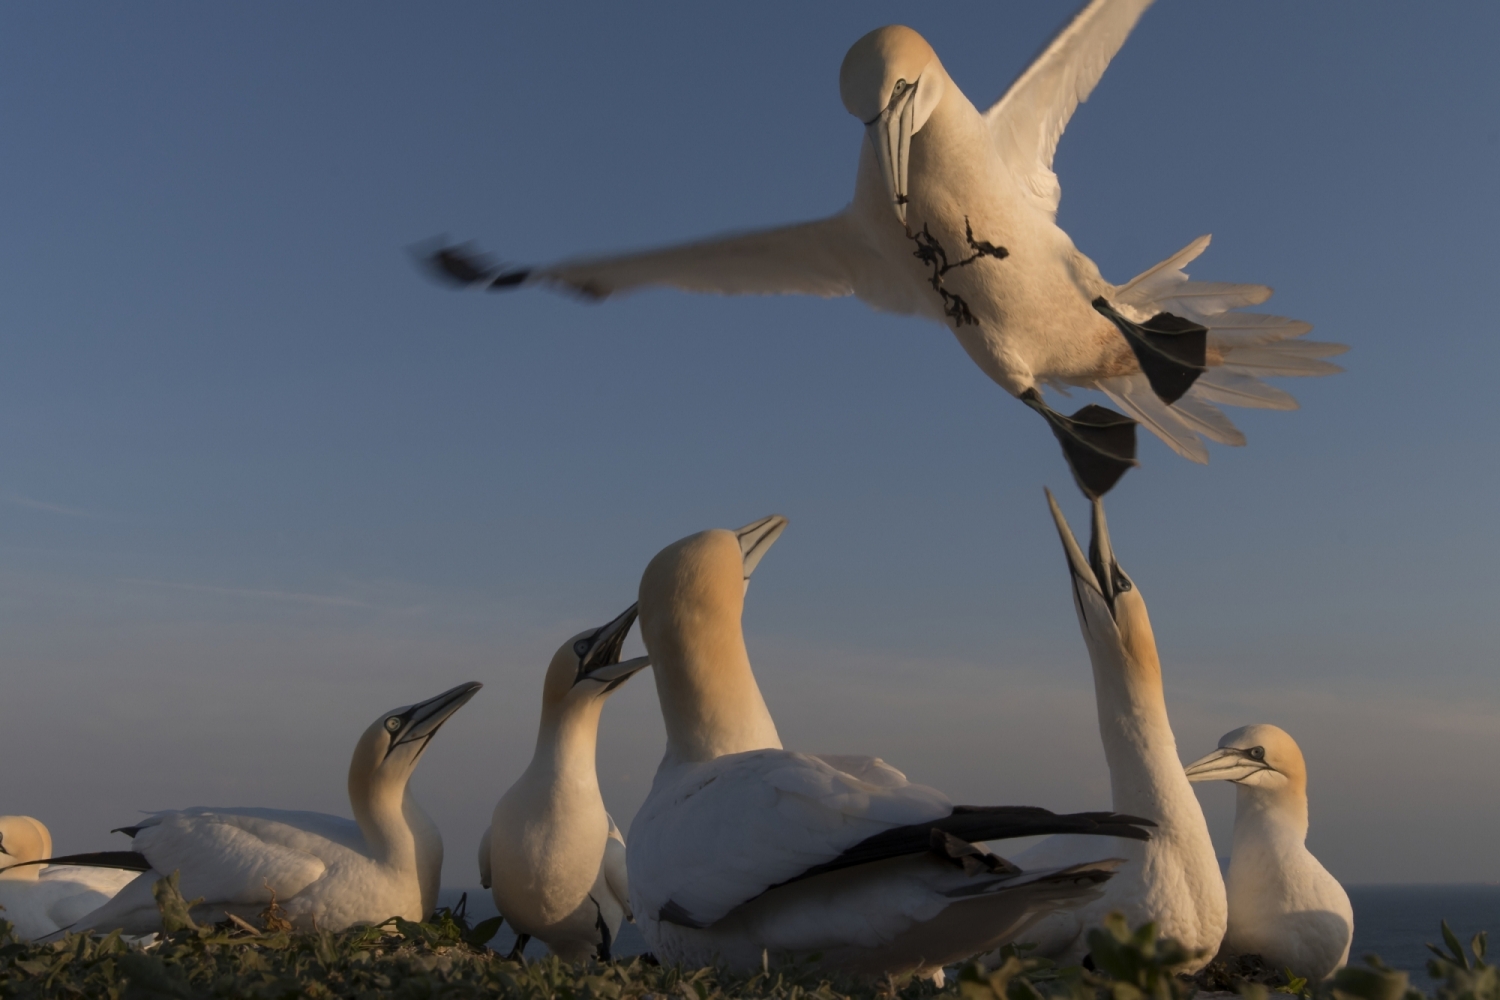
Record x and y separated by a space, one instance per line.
463 266
1172 351
1098 443
518 953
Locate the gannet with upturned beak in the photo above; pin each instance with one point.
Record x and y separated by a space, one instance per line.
744 851
554 859
954 218
39 899
326 872
1283 904
1173 879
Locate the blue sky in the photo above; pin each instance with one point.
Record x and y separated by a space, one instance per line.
260 481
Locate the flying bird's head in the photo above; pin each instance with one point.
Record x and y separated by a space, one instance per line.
892 81
1260 756
23 839
587 668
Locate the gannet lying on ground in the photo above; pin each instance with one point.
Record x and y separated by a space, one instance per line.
39 899
555 861
1283 904
1173 879
326 872
954 219
743 850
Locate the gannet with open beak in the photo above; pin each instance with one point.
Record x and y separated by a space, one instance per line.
39 896
555 861
326 872
1283 904
954 218
1173 879
745 852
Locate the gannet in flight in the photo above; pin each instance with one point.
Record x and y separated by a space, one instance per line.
39 895
954 218
1173 879
554 859
327 872
1283 904
743 849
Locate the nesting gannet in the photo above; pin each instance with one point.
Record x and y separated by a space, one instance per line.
555 859
954 219
326 871
1173 879
1283 904
745 851
39 899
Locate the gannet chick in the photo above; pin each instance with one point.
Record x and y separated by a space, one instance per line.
327 872
1172 880
745 852
555 860
39 899
954 218
1283 904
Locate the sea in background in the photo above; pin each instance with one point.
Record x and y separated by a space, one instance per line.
1393 921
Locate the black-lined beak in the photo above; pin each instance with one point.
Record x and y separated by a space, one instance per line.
756 539
890 135
1228 764
1099 571
599 657
420 722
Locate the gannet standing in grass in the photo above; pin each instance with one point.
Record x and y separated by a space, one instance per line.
40 899
1283 904
326 872
954 218
1173 879
744 851
554 859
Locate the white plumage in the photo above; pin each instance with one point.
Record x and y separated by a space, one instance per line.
1283 904
324 871
38 900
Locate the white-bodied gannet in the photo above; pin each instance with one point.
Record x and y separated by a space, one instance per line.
954 219
555 861
326 872
1283 904
1173 879
744 852
40 899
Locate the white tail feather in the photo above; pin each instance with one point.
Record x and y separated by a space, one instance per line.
1249 344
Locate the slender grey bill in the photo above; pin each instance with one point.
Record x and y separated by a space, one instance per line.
1227 764
756 538
890 136
599 654
422 720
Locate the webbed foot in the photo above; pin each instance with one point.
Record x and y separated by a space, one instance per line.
1172 351
1098 443
460 265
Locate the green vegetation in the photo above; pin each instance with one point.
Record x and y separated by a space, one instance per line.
446 958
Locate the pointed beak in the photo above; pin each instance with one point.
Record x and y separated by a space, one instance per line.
1102 554
1224 764
890 136
602 661
425 718
756 538
1078 564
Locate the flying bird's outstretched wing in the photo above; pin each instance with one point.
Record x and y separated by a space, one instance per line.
1027 122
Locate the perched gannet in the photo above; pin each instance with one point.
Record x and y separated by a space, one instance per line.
954 219
1173 879
555 861
745 852
1283 905
325 871
39 899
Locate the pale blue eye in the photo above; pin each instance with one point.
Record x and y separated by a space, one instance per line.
392 724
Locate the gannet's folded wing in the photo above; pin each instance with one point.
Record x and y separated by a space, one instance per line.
226 858
615 875
811 258
731 828
1026 123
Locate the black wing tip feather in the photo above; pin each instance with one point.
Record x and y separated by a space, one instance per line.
127 860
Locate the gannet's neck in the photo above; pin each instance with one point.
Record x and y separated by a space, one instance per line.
710 701
427 842
1277 813
378 799
566 748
